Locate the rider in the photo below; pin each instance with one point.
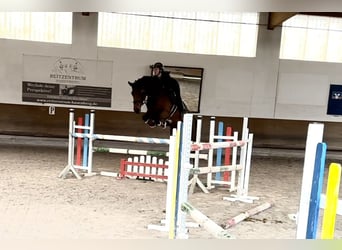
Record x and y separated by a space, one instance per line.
157 70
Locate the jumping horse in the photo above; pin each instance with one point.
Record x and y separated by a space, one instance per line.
161 111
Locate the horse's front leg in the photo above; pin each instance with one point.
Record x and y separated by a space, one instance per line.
149 119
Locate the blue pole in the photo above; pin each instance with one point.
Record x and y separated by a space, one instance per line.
219 151
316 190
86 142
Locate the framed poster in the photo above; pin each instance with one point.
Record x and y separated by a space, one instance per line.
190 83
335 100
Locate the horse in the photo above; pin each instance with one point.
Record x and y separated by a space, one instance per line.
161 111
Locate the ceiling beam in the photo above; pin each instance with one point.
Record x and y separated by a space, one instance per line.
277 18
327 14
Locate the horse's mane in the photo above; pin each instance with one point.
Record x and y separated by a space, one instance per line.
151 85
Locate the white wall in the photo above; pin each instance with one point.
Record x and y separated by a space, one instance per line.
263 87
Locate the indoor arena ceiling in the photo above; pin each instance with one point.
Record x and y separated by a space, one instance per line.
277 18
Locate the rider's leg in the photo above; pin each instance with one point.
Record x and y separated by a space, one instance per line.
176 99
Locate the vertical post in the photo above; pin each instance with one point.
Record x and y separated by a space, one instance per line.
91 139
227 155
316 190
242 173
86 142
247 166
170 179
219 151
79 143
195 180
71 138
333 187
211 151
71 148
243 157
234 162
314 136
184 167
173 186
198 139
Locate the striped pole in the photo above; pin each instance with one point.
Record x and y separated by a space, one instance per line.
123 138
130 151
240 217
214 145
209 225
141 152
333 187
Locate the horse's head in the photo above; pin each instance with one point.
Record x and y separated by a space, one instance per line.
139 95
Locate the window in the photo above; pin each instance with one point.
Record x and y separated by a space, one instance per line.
312 38
53 27
231 34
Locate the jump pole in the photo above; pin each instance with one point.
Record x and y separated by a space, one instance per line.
79 143
89 137
184 207
333 187
195 180
243 166
240 217
227 157
316 190
71 146
331 205
244 162
314 136
211 153
209 225
219 138
86 141
219 153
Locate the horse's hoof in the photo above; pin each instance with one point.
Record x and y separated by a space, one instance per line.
151 123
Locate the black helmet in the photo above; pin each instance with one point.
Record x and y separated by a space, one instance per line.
158 65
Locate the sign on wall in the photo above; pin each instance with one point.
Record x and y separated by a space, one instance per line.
69 81
335 100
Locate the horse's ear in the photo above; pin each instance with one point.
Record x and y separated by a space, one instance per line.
130 83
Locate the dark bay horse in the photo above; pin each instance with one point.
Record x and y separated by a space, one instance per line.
161 111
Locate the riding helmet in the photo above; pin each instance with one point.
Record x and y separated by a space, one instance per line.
158 65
